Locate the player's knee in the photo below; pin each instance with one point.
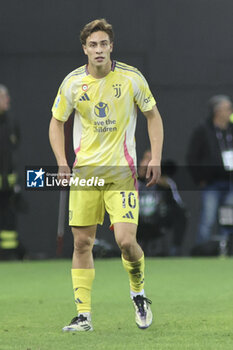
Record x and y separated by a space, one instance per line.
126 244
83 244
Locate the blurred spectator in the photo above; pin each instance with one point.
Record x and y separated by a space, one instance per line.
162 212
9 242
210 160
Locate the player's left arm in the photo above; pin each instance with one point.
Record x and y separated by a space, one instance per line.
155 132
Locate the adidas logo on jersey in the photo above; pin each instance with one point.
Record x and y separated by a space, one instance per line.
129 215
84 97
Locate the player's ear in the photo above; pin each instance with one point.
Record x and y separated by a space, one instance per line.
85 49
111 46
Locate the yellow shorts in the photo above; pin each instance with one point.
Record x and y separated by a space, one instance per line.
88 207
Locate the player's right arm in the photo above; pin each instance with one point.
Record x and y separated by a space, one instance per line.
147 104
61 110
57 142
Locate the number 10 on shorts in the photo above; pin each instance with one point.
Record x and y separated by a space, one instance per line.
131 199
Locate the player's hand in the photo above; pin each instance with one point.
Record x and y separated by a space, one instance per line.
153 173
64 172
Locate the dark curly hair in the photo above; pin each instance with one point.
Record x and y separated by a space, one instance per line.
95 26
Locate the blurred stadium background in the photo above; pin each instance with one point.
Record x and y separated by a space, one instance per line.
184 48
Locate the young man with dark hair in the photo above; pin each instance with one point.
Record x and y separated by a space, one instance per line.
104 94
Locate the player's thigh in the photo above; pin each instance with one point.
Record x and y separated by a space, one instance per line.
125 233
86 208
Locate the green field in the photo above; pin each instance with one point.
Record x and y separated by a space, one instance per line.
192 305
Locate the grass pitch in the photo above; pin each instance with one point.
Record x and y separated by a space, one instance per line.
192 306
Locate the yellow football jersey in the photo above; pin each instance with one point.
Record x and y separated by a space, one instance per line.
105 113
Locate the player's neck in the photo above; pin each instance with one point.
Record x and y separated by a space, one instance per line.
101 71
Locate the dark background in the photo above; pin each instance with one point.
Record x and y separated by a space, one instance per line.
183 47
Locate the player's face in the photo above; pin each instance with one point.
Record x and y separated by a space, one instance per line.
98 49
4 102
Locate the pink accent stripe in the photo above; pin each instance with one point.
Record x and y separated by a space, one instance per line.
76 152
131 164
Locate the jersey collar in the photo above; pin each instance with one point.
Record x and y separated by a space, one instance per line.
112 67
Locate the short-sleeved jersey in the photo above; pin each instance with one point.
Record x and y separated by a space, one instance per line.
105 113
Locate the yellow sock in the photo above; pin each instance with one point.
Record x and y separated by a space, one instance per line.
135 271
82 284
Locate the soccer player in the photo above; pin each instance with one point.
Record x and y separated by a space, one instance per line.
105 95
